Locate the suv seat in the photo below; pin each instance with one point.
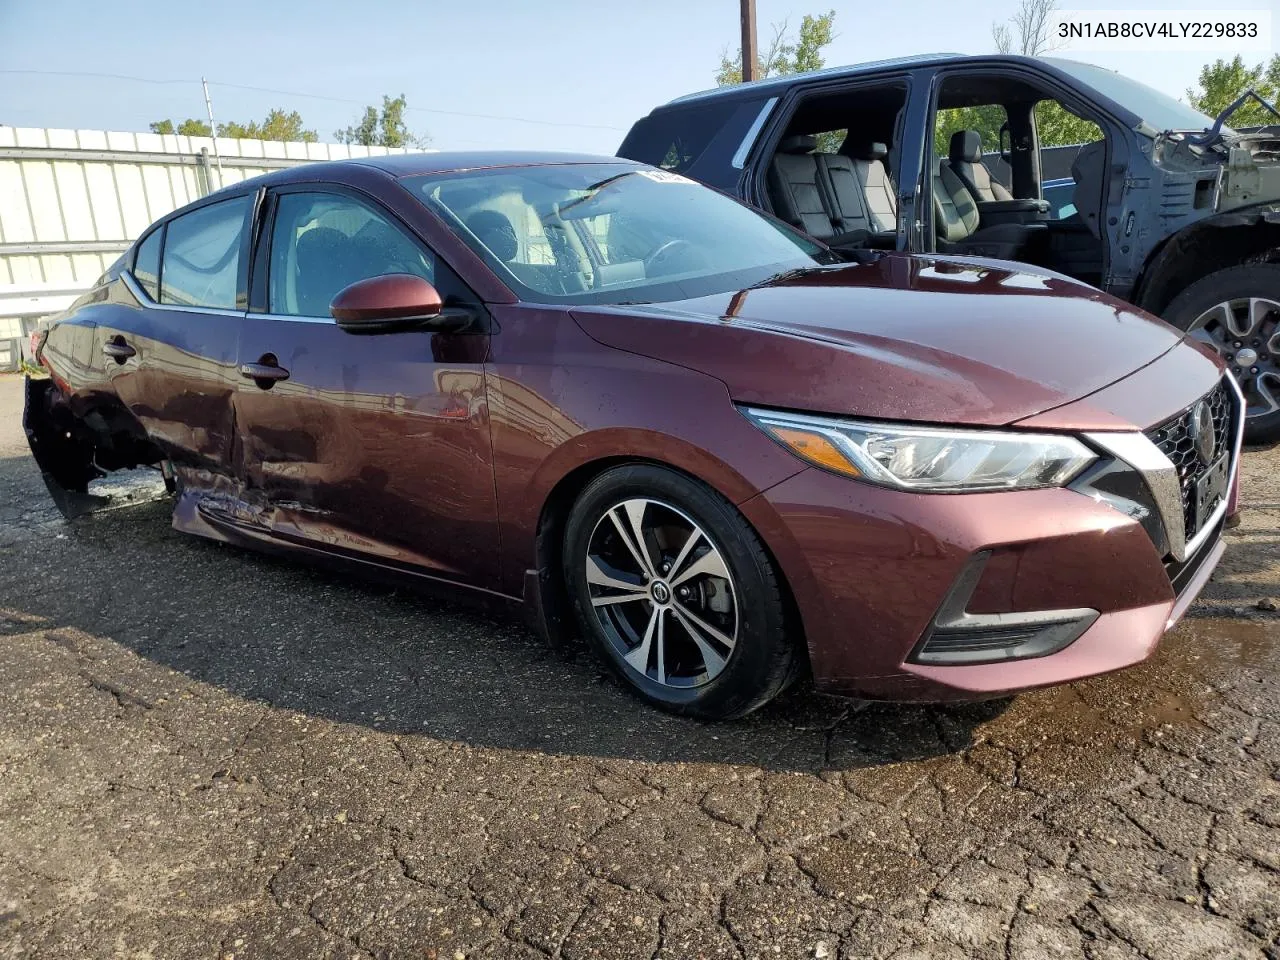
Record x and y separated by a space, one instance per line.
965 160
844 191
796 188
955 218
880 199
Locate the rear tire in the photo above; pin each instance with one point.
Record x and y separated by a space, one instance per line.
705 635
1237 312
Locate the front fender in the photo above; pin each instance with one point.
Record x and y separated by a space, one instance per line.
1164 275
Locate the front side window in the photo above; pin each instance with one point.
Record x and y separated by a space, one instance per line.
146 264
323 242
202 250
611 233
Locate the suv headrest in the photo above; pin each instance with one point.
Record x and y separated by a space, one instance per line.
798 143
966 147
867 151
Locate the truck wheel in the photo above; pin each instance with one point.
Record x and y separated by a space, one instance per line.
1237 312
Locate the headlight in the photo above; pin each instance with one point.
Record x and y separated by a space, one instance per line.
928 459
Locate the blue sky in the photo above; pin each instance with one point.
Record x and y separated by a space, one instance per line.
583 70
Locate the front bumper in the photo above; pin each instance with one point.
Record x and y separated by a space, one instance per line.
875 573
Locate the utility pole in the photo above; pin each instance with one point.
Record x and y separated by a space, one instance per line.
213 131
748 40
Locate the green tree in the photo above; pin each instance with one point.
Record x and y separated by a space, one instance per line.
987 120
364 132
1056 126
277 126
385 128
784 54
187 128
194 128
1223 81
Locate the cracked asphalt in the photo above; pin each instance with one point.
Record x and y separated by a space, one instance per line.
210 753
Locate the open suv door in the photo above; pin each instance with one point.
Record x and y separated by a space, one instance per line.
1168 209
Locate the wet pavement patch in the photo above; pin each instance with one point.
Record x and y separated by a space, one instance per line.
205 752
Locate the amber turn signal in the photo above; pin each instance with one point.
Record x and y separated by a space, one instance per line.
815 448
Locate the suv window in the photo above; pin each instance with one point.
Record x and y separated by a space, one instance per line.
674 139
1056 126
830 141
146 264
202 250
323 242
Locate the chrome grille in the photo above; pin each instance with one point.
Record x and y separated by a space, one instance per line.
1175 439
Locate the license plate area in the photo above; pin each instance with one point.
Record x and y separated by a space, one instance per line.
1210 491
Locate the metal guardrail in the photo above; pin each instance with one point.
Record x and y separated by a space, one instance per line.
116 156
63 246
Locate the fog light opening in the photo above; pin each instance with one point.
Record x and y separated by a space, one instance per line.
957 637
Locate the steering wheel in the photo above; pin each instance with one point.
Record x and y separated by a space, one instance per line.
664 252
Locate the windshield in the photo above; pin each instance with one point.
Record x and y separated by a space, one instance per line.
595 233
1159 110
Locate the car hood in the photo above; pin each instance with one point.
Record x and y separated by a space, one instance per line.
931 339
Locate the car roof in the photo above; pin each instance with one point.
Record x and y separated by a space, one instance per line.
773 85
448 161
396 165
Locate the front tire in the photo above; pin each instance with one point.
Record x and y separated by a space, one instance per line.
1237 312
676 593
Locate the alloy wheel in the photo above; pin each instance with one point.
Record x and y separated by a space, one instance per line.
662 593
1246 333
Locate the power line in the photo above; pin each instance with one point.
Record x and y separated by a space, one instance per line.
105 76
448 113
311 96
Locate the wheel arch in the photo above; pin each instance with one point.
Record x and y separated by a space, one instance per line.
1215 243
546 595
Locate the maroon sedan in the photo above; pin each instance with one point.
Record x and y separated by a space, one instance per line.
654 416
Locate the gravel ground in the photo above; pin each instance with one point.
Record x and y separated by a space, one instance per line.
209 753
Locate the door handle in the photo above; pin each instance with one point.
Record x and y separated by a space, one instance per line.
118 350
265 372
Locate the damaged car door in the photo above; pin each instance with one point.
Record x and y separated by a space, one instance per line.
373 446
172 356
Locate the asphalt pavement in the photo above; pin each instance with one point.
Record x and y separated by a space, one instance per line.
205 752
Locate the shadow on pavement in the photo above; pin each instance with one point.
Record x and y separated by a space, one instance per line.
333 645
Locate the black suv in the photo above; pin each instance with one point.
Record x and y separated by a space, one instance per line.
1172 211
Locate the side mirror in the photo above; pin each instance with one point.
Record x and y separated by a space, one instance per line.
394 301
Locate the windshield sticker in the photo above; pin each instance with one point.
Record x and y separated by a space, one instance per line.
663 176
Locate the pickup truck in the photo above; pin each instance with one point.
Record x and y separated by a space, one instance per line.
1169 209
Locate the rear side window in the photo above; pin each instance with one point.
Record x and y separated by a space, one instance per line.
146 264
674 139
201 259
